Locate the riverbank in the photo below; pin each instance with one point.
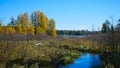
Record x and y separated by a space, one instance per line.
46 53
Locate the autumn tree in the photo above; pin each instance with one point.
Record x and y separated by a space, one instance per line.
11 29
32 30
19 28
35 20
52 30
44 21
40 21
38 30
0 27
38 24
25 23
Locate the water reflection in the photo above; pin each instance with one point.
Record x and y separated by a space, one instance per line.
85 61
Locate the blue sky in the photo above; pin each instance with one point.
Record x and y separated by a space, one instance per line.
68 14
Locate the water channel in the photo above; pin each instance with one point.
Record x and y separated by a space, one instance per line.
86 60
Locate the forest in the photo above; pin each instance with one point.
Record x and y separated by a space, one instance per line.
37 24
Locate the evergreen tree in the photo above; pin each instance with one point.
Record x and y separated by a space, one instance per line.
12 22
106 26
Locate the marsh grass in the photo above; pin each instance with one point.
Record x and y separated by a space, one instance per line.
27 53
52 52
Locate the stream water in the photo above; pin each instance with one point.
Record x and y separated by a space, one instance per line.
86 60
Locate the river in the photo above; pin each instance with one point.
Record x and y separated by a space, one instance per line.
86 60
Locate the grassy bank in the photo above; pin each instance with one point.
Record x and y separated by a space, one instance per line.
46 53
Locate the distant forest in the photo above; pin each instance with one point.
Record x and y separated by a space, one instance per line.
74 32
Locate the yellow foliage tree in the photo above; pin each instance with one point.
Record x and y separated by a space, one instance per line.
0 27
25 23
11 29
38 30
44 23
52 30
43 31
53 33
6 30
32 31
24 30
19 28
38 24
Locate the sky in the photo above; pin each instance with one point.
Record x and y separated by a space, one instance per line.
68 14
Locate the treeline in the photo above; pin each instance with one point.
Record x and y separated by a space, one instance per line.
109 41
110 35
37 24
73 32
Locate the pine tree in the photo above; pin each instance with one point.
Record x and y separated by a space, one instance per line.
12 22
35 18
106 26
